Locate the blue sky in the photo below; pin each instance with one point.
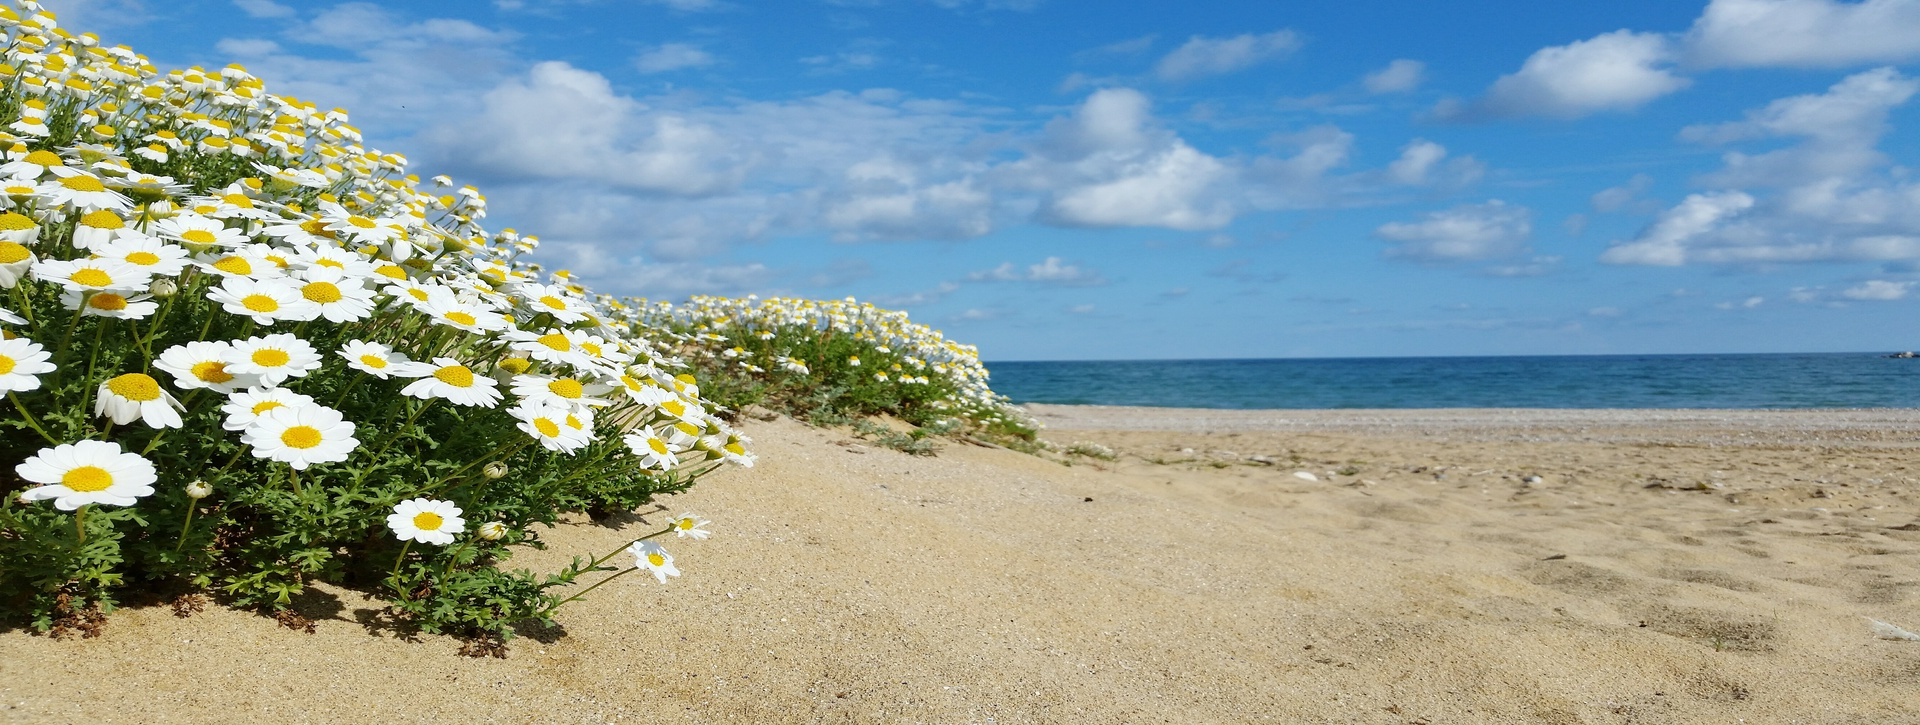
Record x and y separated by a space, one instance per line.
1095 180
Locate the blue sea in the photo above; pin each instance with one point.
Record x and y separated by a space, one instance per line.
1813 380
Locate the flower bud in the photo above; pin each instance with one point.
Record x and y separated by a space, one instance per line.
199 489
163 288
495 470
492 530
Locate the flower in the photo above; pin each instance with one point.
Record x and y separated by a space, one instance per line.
199 489
137 396
494 470
266 301
335 296
372 358
654 452
92 275
491 531
200 232
548 424
22 362
14 261
446 378
274 358
559 392
244 407
688 527
97 227
87 472
82 192
109 304
158 258
652 558
301 436
426 521
203 365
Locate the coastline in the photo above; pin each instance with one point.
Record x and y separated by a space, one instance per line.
1449 566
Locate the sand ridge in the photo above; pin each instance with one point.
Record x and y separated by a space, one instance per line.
1471 573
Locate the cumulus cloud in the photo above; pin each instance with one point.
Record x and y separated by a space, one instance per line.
1052 270
1804 33
1831 195
1424 162
1617 71
1399 76
1110 164
1201 56
1465 233
672 57
264 9
1616 198
1878 290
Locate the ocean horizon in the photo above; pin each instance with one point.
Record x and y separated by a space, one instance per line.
1726 380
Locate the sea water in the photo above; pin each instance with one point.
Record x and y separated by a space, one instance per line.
1797 380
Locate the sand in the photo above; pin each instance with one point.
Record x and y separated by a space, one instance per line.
1443 567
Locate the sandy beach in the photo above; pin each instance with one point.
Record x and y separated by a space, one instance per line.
1458 566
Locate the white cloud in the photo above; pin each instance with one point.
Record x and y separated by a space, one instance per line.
1417 159
1110 164
1052 270
1615 71
1665 241
1616 198
247 47
83 15
1081 309
1840 129
264 9
1804 33
1470 232
1878 289
1201 56
1399 76
672 57
687 6
1746 304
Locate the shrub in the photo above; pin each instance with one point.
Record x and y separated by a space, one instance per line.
245 353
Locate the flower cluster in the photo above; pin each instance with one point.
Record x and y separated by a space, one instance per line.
851 356
211 290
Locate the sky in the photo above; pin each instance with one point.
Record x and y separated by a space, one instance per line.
1059 180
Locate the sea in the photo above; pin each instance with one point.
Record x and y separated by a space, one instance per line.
1787 380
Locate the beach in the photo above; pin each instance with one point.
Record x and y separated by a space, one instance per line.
1365 566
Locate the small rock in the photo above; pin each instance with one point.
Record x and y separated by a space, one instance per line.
1262 460
1305 476
1888 631
1531 480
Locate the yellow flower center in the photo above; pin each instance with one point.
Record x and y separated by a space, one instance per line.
107 301
735 449
87 479
143 258
362 222
234 265
674 408
301 436
330 263
266 405
574 423
10 253
270 358
44 157
591 348
239 200
7 364
91 277
199 236
546 427
321 292
658 446
554 302
138 387
13 222
686 524
83 184
374 361
516 365
260 303
556 341
656 559
103 219
419 294
455 375
391 271
567 388
461 317
212 372
427 521
278 261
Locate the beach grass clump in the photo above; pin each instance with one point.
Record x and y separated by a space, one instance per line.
834 362
243 354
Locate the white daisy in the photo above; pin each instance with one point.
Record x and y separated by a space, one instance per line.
335 296
22 362
301 436
266 301
137 396
688 527
652 558
548 425
87 472
462 315
274 358
148 253
15 259
426 521
241 262
92 275
97 227
244 407
372 358
446 378
654 452
199 232
109 304
203 365
565 308
560 392
82 192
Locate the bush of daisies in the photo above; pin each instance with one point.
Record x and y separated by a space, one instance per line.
243 354
831 359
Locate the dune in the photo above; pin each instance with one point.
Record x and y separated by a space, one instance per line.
1226 566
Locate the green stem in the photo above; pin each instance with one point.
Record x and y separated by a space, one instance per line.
596 585
79 522
448 570
350 386
93 357
394 578
293 474
186 527
31 421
